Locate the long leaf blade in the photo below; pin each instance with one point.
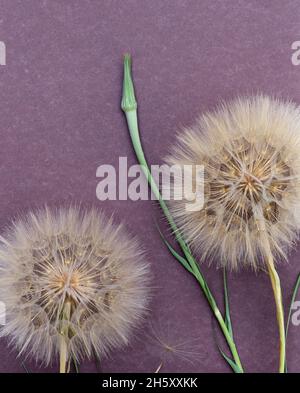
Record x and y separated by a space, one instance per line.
179 258
227 306
295 291
232 364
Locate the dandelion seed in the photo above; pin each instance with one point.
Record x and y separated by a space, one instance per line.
167 345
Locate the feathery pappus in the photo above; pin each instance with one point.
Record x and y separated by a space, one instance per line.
71 275
250 152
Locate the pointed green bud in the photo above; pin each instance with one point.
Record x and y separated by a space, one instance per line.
128 99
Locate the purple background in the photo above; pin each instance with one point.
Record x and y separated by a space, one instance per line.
60 119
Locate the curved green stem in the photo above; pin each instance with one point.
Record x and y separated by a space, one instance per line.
276 286
129 106
275 281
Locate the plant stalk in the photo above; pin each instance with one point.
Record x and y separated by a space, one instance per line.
275 281
129 106
64 333
158 368
276 286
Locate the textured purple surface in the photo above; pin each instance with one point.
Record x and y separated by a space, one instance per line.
60 120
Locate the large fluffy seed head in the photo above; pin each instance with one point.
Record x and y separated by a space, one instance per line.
80 259
250 152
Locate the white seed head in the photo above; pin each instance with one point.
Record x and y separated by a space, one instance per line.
77 258
250 150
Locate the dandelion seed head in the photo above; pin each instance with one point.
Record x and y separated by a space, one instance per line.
250 152
77 257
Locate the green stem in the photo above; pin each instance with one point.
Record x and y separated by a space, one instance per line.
276 286
64 333
279 312
294 294
129 106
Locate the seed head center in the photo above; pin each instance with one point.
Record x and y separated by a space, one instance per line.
68 280
250 186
